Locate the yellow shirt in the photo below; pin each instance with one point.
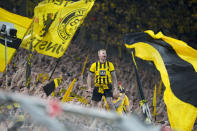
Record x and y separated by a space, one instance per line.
125 102
102 73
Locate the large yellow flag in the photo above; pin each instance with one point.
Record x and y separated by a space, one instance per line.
54 25
21 24
177 63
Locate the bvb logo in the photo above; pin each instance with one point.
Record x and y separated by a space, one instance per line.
70 23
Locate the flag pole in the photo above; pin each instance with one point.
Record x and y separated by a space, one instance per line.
143 102
29 64
57 62
6 75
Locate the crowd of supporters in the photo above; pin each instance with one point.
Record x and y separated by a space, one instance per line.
106 23
70 66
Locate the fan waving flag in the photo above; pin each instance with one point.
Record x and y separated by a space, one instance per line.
177 64
55 24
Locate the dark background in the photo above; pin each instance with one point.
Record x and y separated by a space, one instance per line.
109 20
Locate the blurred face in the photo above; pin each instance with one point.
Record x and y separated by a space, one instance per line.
102 56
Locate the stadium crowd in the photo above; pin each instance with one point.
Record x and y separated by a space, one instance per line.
106 23
70 66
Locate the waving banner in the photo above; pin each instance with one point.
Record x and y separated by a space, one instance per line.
177 64
55 24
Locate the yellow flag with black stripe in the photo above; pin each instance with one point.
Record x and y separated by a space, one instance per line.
57 81
54 25
12 46
21 24
177 63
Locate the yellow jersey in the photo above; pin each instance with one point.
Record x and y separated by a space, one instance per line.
102 73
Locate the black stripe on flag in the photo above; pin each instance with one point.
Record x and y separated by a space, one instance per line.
14 44
182 76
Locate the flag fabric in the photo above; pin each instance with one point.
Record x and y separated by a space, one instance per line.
12 46
50 87
55 24
177 63
20 23
66 95
57 82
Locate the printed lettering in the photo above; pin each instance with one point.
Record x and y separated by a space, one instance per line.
50 46
42 45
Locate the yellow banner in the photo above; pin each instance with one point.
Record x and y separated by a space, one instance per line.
10 54
55 24
20 23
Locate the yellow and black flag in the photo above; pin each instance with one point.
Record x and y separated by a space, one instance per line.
177 64
54 25
50 87
21 23
12 46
